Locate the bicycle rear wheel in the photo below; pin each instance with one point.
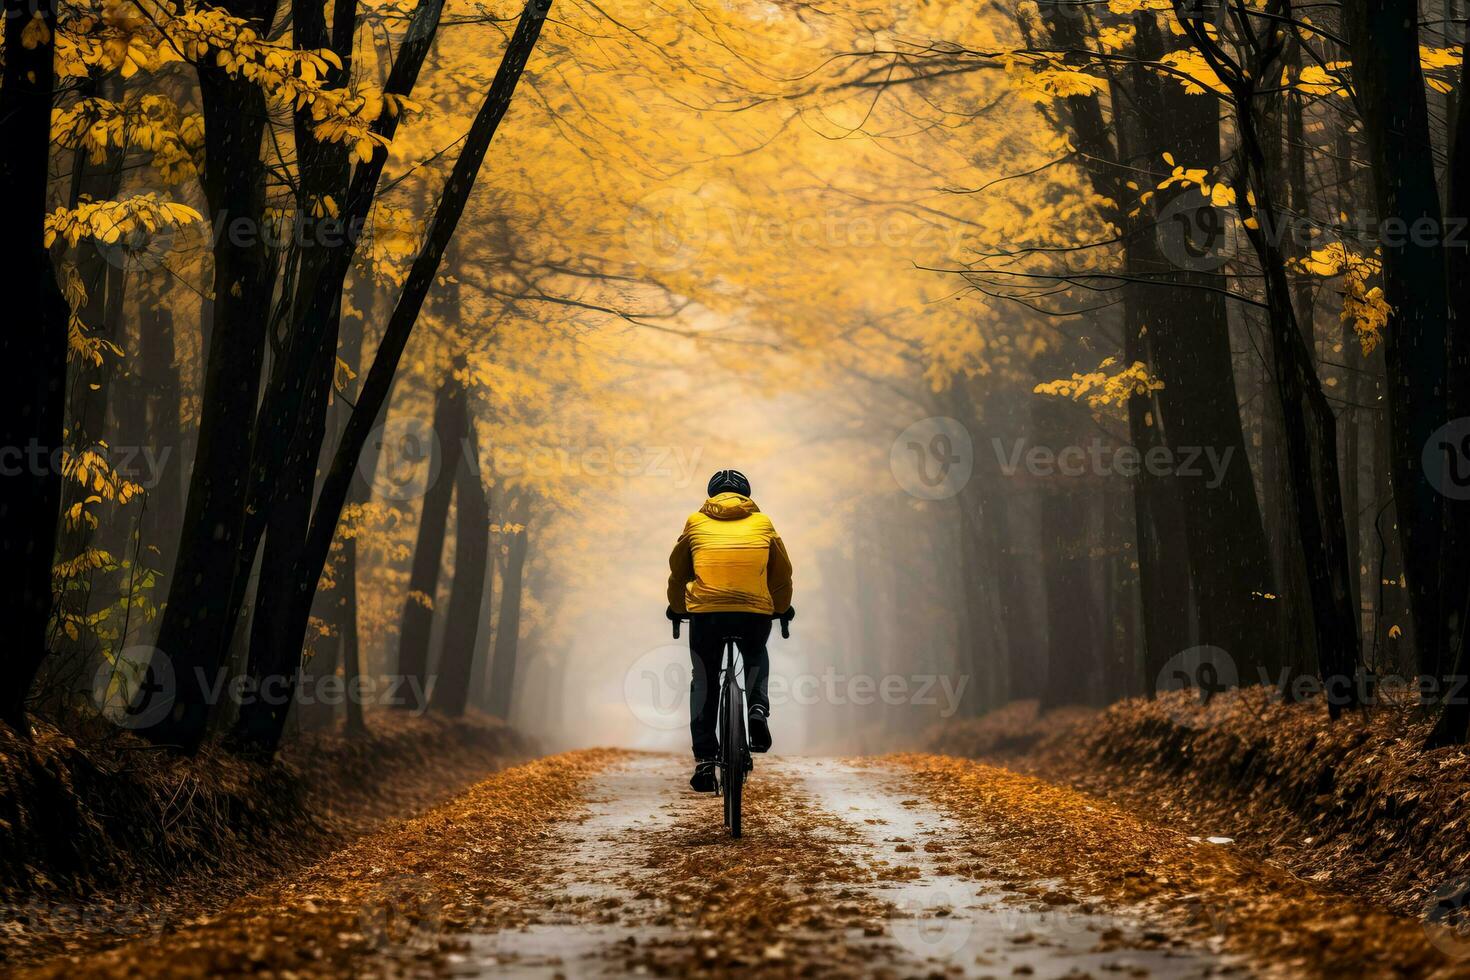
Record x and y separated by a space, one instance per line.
732 750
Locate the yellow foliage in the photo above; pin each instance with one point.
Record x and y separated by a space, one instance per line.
1103 390
1363 306
1190 69
109 222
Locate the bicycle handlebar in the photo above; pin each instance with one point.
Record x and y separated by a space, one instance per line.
784 618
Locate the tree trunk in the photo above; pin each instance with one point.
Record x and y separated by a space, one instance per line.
1072 634
33 349
323 269
428 553
1311 429
199 618
1189 345
275 652
471 555
1177 518
1454 571
341 607
162 392
421 276
1384 37
1164 592
508 626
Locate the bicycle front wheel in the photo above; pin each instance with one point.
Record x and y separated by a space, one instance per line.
732 738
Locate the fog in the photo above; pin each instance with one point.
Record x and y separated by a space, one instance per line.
603 669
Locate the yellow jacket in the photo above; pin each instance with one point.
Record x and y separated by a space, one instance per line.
729 559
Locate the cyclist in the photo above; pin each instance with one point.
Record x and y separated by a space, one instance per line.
729 574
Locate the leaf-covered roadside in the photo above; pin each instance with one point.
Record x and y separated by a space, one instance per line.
1354 806
102 841
1019 824
387 904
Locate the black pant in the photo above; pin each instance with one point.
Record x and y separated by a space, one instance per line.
707 632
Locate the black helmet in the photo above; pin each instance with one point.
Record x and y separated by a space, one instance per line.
728 481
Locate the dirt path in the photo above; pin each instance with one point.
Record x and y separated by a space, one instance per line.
839 874
604 864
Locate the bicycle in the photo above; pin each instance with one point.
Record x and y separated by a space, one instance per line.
734 763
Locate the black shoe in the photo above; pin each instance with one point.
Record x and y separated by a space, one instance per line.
760 732
703 780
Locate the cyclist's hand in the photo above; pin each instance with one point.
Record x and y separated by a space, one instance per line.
785 618
669 613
